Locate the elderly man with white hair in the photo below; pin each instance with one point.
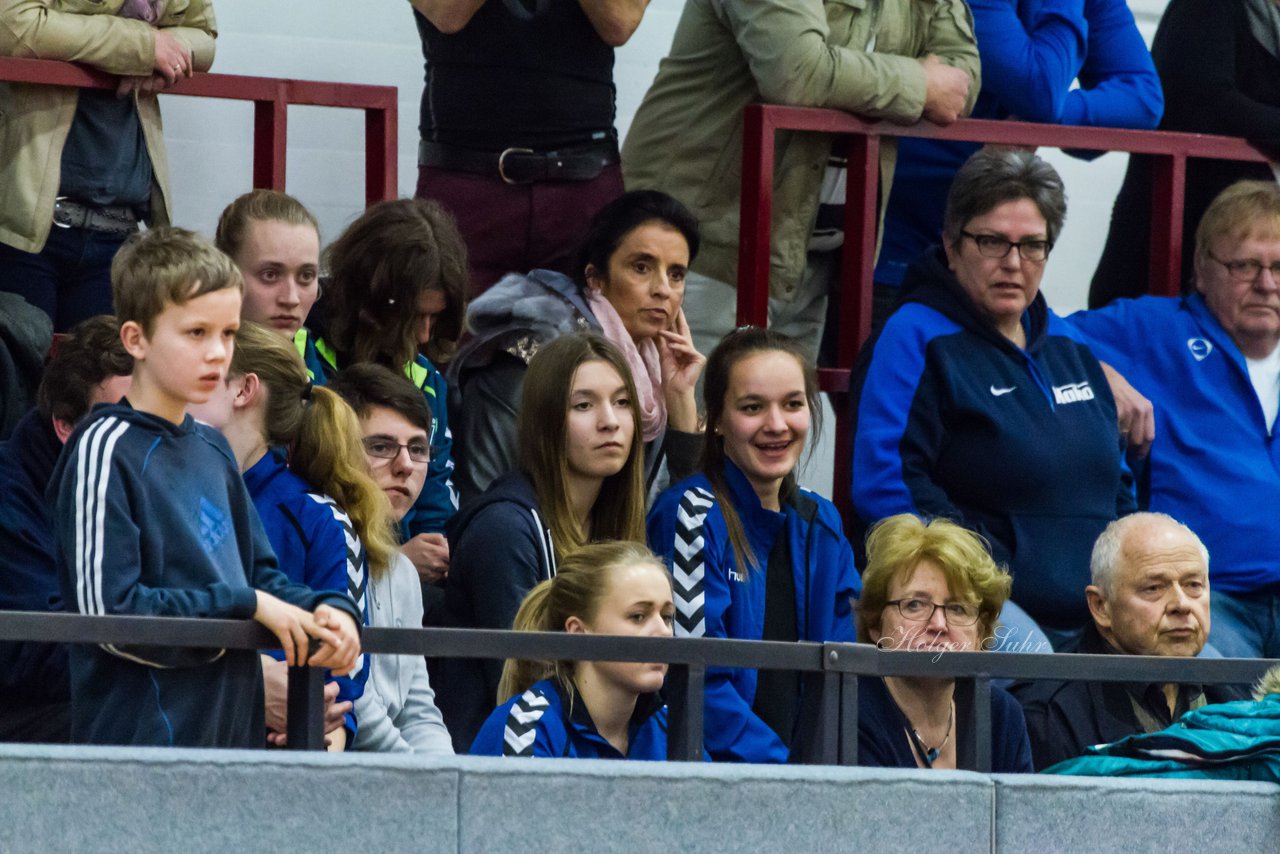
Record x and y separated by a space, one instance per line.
1149 596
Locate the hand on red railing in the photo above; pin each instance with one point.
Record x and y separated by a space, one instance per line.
946 90
173 58
143 85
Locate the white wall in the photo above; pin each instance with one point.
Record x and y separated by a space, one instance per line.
376 42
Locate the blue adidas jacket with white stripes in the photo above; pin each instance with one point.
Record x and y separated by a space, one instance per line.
1214 465
686 528
1020 445
315 545
153 519
543 722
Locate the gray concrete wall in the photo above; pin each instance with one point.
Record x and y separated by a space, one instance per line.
102 799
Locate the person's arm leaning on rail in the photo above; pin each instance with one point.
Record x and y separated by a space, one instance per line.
787 49
1032 63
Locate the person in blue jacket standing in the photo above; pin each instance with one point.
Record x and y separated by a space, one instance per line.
753 556
1032 51
589 709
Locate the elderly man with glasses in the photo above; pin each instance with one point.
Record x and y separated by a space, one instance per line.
1149 596
1210 364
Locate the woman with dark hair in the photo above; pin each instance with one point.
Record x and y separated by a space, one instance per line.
754 556
629 288
609 588
978 404
395 296
580 479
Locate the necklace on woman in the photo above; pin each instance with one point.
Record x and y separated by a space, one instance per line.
930 754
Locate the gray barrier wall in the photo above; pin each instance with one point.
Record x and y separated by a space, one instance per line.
107 799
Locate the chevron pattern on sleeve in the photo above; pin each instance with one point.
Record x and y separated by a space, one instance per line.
357 564
688 563
522 724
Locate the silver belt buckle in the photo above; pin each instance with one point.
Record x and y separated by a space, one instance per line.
502 164
56 208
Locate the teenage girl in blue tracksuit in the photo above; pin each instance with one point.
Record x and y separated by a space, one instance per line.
753 556
323 513
592 709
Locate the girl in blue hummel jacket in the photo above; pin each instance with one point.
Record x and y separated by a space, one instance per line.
595 709
328 522
753 556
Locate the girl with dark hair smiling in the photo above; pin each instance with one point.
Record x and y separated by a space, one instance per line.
754 556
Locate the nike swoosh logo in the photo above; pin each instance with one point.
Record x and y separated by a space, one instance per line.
996 392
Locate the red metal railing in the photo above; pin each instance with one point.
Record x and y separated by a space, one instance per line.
271 99
762 121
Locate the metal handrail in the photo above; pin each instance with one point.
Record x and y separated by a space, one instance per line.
762 122
271 99
828 733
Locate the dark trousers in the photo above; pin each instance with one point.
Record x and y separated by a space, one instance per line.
69 280
514 228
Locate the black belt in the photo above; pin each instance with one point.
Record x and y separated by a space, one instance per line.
522 165
110 219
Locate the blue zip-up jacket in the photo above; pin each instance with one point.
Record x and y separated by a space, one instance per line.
687 530
1224 741
543 722
953 420
153 519
30 672
316 545
1032 51
1213 465
438 500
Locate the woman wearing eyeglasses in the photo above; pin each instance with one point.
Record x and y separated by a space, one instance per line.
978 404
930 587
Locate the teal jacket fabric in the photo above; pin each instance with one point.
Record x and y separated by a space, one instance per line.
1224 741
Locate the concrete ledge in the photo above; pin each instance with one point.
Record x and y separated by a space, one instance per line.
572 805
1039 813
234 802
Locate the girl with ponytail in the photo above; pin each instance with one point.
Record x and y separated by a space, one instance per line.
300 449
596 709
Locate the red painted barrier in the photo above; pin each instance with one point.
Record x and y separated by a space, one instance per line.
762 121
271 98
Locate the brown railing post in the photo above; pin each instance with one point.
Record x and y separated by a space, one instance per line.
1168 197
380 165
756 214
270 138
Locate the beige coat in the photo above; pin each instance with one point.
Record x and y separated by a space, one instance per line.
35 119
686 138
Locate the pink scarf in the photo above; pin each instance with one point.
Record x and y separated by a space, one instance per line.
646 369
143 10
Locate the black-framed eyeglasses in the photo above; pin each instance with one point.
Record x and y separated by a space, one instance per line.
921 611
1247 270
385 449
993 246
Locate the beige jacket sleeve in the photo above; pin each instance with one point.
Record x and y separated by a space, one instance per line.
91 32
786 46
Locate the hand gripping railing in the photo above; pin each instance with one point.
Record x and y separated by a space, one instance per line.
761 122
271 98
827 732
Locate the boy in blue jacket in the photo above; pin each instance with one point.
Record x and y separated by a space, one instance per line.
152 518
